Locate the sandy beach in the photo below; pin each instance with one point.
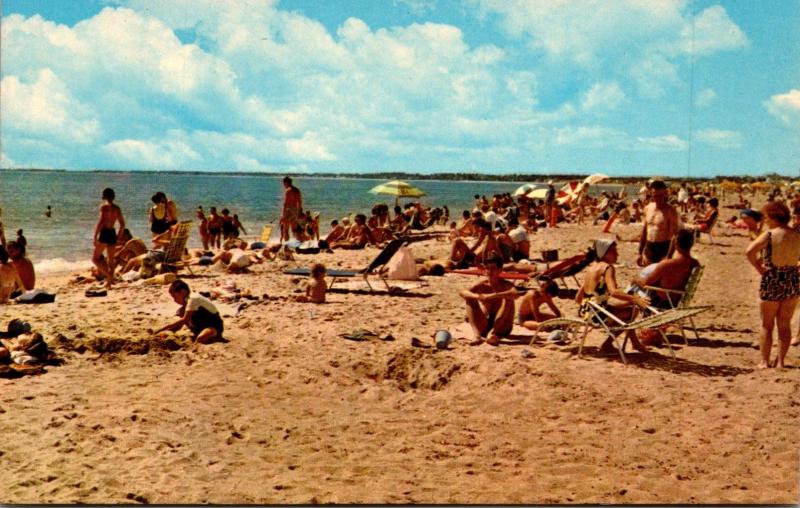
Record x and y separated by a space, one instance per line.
288 411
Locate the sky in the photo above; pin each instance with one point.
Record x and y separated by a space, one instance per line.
625 87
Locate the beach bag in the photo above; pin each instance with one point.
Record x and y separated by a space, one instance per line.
402 265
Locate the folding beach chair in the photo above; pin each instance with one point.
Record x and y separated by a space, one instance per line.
380 260
569 267
266 233
685 300
173 252
613 327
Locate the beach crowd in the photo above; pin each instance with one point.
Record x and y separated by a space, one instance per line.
495 240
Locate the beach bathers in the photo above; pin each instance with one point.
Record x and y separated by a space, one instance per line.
108 236
214 231
656 251
778 282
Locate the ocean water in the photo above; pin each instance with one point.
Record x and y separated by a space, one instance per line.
64 241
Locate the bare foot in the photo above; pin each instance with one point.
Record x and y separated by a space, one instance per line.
638 346
763 365
493 340
476 342
796 342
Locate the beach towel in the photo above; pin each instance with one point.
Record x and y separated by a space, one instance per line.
402 265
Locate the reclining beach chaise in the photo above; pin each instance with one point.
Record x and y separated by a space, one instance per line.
686 296
569 267
173 252
380 260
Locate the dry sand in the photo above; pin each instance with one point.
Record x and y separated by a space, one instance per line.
289 412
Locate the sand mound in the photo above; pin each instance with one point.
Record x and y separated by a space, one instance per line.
412 369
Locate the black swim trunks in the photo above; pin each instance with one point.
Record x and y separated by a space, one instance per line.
108 236
202 318
656 251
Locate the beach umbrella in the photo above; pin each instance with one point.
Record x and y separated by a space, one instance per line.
568 192
398 189
537 193
761 185
729 185
595 178
796 183
523 190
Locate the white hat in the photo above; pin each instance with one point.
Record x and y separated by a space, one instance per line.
550 182
602 246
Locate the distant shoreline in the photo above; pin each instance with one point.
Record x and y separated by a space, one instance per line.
391 175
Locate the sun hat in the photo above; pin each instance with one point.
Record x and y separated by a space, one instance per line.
602 246
550 182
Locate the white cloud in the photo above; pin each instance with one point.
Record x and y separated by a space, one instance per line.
170 154
705 97
668 143
644 39
45 107
603 97
785 107
720 138
309 147
6 162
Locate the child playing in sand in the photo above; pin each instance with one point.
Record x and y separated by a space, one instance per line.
529 314
315 287
198 314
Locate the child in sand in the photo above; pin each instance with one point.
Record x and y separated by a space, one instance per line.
198 314
316 286
529 314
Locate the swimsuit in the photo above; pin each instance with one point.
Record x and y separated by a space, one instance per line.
108 236
159 225
778 282
599 297
656 251
202 318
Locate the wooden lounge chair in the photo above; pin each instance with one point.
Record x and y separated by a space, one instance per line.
173 252
380 260
613 327
685 300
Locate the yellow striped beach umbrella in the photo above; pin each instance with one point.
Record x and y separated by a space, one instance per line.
398 189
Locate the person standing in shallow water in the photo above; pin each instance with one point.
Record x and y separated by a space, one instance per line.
105 236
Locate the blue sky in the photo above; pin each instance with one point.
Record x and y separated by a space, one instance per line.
626 87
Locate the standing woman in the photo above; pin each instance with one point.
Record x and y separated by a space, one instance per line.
780 278
163 214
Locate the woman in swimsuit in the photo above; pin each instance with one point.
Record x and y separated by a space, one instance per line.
600 287
158 215
780 279
9 278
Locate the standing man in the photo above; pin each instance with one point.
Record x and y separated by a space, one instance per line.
105 236
661 224
292 206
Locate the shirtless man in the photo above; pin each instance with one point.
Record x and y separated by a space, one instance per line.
670 273
660 226
490 305
292 206
22 264
105 237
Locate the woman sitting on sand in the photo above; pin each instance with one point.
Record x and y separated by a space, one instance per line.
9 278
600 288
780 278
358 237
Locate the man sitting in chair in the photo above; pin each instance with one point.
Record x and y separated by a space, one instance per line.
490 305
672 273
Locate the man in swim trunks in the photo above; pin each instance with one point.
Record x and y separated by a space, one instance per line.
105 236
292 206
490 305
671 273
660 226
